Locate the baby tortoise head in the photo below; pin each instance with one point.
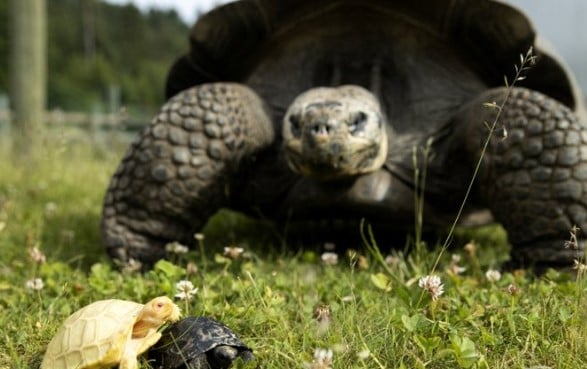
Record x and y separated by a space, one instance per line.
335 132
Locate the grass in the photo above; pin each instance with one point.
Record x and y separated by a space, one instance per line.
377 315
296 309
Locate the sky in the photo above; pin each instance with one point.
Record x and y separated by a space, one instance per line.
187 9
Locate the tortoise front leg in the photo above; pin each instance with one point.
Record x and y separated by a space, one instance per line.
135 347
128 363
534 180
177 173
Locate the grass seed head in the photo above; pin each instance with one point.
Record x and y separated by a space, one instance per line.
454 268
37 256
321 312
191 268
572 242
579 266
471 249
513 289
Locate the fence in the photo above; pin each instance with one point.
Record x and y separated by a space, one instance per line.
93 124
100 129
120 121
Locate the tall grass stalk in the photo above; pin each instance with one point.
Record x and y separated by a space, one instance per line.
419 192
526 61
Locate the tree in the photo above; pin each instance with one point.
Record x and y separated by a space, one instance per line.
28 69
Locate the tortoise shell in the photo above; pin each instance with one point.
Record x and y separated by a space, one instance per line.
108 332
423 62
194 342
93 335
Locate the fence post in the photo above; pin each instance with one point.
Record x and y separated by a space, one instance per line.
28 65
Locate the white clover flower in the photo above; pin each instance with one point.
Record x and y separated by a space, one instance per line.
185 290
233 252
176 248
433 285
364 355
322 359
492 275
329 258
129 266
392 260
35 284
199 237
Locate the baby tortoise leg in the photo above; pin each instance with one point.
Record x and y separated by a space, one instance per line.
128 363
534 178
177 173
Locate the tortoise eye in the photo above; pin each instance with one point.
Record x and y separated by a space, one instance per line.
295 125
358 123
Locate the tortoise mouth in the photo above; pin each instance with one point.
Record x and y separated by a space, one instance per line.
325 164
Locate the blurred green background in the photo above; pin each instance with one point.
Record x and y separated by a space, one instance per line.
107 60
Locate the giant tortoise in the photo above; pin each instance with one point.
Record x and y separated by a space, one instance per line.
318 111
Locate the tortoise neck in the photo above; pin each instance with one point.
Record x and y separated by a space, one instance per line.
147 322
141 329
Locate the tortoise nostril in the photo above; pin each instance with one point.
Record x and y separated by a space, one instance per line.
321 128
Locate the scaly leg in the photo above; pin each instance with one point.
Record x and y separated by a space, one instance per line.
534 180
178 172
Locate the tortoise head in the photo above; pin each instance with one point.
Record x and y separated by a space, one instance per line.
154 314
332 133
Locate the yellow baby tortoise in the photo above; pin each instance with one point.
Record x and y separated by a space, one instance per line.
108 333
